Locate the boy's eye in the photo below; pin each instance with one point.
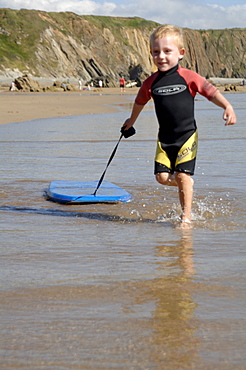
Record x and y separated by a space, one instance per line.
167 51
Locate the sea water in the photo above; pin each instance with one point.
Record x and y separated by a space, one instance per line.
119 285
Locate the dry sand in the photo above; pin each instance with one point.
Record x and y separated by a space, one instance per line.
19 107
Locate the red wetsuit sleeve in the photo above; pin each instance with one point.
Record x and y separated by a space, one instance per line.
144 94
197 83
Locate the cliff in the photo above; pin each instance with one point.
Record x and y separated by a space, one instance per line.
66 45
217 53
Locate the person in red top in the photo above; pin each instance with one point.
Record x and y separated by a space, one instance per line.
173 89
122 84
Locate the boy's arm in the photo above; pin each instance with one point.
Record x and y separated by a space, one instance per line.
229 115
136 110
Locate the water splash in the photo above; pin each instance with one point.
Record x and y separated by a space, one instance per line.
207 212
136 212
214 212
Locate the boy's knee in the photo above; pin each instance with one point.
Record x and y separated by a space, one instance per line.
179 176
182 177
162 177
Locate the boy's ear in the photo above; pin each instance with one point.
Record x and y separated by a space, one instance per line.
181 53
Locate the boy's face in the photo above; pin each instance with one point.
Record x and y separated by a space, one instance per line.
166 53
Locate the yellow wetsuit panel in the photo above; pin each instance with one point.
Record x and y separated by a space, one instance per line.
187 152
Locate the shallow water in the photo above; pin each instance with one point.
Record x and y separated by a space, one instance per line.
119 285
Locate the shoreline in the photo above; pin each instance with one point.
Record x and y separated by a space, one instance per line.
27 106
48 81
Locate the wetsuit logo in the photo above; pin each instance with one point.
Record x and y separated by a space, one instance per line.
169 90
186 151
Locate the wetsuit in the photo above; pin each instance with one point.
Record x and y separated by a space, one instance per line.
173 93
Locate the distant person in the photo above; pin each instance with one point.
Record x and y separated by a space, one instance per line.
13 86
100 83
80 84
122 84
173 89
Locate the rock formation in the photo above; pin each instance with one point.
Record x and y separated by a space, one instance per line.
26 83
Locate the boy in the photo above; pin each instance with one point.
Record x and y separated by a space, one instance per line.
173 89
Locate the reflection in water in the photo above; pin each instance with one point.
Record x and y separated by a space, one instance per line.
173 324
180 254
172 327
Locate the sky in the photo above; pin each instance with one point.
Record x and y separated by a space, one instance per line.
195 14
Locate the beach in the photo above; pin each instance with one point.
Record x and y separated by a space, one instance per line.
20 106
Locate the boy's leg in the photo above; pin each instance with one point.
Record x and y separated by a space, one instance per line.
183 166
185 185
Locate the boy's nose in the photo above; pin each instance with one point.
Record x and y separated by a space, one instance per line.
162 55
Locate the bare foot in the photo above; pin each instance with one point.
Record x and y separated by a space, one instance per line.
185 225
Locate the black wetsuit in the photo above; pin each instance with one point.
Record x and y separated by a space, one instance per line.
173 93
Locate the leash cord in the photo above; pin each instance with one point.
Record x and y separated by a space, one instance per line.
109 161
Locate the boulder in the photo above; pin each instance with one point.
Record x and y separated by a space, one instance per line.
26 84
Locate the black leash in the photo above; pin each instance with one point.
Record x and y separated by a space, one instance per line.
109 161
126 133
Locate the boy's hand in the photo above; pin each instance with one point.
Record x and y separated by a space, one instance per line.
229 116
127 132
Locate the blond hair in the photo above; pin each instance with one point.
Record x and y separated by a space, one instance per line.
168 30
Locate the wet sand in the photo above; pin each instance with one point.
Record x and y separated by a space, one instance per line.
19 107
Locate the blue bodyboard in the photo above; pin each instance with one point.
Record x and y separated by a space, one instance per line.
82 192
